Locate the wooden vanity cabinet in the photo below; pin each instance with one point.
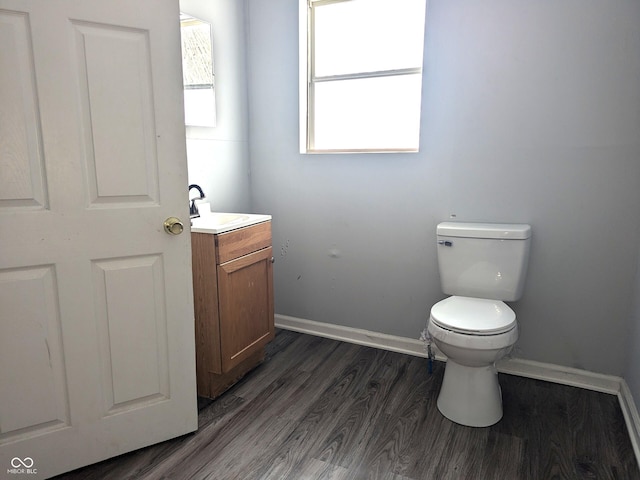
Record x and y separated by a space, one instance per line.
233 298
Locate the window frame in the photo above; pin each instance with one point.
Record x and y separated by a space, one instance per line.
196 112
308 80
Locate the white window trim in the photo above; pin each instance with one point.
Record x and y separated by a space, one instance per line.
303 41
307 79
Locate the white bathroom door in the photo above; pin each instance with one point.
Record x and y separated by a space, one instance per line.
96 308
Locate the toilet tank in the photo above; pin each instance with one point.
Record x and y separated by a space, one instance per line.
483 260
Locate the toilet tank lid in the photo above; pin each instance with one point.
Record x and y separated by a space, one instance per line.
508 231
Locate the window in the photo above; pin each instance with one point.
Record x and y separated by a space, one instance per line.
197 72
360 75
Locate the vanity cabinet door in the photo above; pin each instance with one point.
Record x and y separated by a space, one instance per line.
245 294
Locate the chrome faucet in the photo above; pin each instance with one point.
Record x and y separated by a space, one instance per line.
193 209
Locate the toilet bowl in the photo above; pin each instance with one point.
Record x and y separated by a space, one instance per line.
473 333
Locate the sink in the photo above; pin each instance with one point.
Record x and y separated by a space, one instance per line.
224 218
220 222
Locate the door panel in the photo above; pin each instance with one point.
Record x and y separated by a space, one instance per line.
96 331
22 182
33 397
114 69
131 324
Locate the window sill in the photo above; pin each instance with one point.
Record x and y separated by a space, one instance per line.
356 150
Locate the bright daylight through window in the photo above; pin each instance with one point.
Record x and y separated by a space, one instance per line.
197 72
360 75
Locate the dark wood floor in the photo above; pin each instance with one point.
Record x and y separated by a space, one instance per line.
322 409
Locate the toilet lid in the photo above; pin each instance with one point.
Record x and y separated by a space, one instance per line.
473 315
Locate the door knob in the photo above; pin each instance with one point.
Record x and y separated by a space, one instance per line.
173 226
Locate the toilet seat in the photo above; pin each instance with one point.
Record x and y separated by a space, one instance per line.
473 316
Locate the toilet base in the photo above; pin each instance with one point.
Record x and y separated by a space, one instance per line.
470 396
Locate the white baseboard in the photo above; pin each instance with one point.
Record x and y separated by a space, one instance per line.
514 366
560 374
631 416
353 335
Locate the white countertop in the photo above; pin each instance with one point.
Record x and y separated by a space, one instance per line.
220 222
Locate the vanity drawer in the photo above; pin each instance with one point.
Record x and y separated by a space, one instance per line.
243 241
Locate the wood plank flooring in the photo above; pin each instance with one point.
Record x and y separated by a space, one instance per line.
322 409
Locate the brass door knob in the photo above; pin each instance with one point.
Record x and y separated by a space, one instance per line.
173 226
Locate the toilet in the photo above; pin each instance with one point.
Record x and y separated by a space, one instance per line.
481 266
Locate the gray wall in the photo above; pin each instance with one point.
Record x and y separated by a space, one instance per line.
218 158
531 113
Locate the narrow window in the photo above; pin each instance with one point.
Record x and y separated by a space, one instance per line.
197 72
360 75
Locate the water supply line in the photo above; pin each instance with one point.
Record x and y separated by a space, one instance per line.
425 336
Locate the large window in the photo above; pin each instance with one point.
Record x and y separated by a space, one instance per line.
360 75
